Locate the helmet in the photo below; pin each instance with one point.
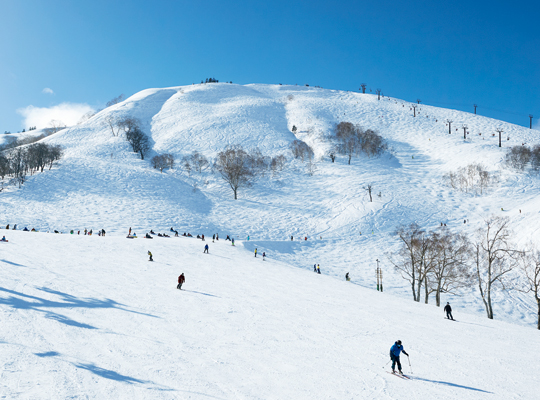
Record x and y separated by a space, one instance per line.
398 342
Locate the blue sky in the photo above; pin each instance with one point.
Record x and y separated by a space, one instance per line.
449 54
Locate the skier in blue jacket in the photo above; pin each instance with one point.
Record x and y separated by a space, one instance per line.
395 351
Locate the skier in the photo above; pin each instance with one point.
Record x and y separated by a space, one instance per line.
255 253
314 267
205 249
3 239
291 238
181 280
395 350
264 255
129 233
202 238
150 255
213 237
318 269
248 238
217 236
7 226
232 241
448 311
347 278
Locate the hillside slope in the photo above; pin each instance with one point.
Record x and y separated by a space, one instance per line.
100 183
88 317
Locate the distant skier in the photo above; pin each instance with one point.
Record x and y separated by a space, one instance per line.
314 267
232 241
255 253
248 238
3 239
150 255
181 280
7 226
264 255
202 237
213 237
347 278
291 238
448 311
129 233
217 236
103 232
205 249
318 269
395 350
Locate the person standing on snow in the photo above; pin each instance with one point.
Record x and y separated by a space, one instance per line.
264 255
314 267
448 311
395 351
347 278
255 253
205 249
318 269
150 254
181 280
232 241
213 237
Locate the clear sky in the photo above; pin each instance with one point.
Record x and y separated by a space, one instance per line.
447 53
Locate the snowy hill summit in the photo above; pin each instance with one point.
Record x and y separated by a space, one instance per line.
322 205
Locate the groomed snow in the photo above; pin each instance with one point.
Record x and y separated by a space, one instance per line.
88 317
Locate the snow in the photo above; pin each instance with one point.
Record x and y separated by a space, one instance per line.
90 317
108 324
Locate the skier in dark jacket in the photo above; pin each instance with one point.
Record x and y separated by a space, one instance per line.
181 280
150 255
205 249
395 350
448 311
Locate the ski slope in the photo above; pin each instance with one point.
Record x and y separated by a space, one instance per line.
88 317
100 183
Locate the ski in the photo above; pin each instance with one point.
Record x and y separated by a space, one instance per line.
399 375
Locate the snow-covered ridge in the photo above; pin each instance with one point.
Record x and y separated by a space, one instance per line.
100 183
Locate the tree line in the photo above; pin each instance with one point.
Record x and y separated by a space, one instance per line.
16 163
442 261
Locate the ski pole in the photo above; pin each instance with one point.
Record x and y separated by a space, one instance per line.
410 367
387 363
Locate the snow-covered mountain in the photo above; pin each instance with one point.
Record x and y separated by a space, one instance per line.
100 183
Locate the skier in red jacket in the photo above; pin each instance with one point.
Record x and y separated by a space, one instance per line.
181 280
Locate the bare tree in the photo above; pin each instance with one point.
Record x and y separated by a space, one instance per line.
198 161
163 161
56 125
300 149
138 141
116 100
449 271
128 124
518 157
278 163
186 162
412 257
368 188
234 166
493 258
530 266
113 123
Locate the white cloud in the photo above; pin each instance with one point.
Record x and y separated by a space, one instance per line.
40 117
48 91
